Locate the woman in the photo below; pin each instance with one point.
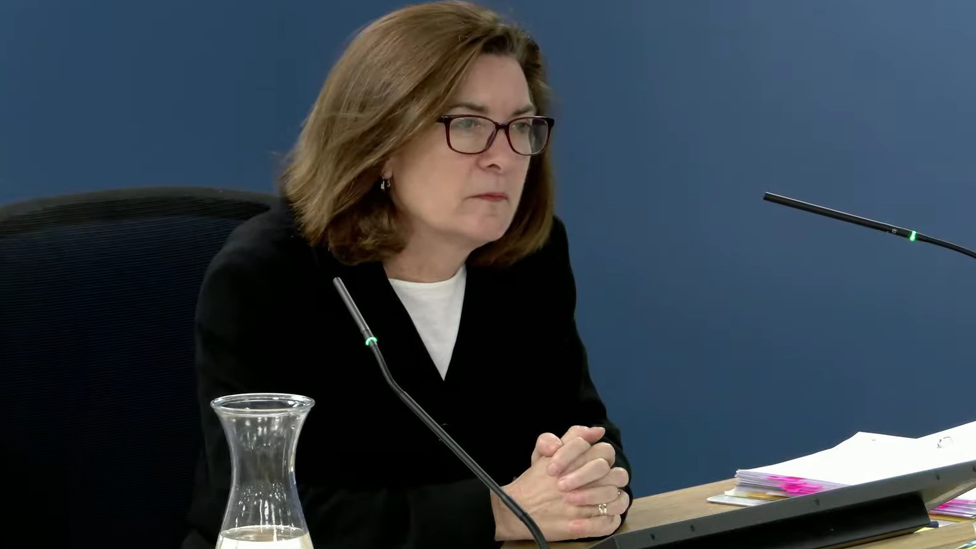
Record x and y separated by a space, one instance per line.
422 179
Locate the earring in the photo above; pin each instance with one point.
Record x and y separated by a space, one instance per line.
384 184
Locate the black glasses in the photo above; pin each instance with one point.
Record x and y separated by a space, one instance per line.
471 134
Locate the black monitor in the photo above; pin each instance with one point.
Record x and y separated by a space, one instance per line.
835 518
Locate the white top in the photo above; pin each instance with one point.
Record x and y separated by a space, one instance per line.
435 308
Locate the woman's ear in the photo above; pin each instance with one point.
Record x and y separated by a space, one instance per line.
387 171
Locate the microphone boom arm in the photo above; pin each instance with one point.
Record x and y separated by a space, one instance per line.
442 435
865 222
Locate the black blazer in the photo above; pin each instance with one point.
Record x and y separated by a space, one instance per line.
369 473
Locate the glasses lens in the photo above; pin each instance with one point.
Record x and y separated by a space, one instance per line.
529 135
470 134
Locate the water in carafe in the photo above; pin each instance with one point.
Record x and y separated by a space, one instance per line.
263 510
257 537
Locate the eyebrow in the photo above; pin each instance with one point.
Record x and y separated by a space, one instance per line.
481 109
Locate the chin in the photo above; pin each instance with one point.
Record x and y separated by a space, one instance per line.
485 231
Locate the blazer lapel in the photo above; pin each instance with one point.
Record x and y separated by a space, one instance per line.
465 339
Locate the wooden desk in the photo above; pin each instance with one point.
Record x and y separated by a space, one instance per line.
691 503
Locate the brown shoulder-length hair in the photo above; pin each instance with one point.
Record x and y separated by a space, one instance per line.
391 83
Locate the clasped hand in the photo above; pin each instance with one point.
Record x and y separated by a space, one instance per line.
571 489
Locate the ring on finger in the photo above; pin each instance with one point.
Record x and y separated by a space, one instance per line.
603 509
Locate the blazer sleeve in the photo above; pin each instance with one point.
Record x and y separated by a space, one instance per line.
586 407
242 325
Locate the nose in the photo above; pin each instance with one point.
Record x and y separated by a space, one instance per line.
499 155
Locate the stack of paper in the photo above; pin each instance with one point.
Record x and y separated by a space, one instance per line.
865 457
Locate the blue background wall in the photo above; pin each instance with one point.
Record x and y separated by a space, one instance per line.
724 332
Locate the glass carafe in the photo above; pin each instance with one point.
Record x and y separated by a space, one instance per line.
263 510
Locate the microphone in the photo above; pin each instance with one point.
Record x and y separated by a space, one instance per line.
485 478
864 222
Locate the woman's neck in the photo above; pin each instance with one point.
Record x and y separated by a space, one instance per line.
422 261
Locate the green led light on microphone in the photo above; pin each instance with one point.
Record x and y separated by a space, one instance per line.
912 236
370 340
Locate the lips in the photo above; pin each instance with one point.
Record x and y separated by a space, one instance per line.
492 197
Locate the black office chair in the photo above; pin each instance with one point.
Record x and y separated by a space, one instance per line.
97 299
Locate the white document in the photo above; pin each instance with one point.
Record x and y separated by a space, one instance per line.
962 438
865 457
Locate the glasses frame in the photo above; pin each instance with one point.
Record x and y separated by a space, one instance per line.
448 118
